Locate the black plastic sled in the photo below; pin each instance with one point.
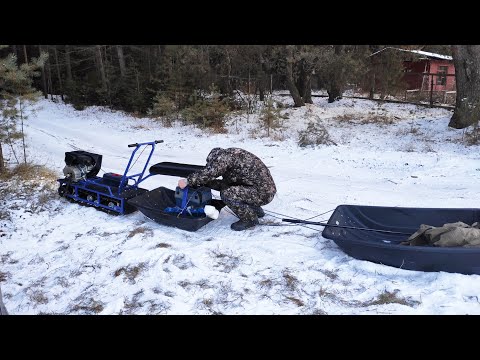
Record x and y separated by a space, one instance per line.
153 204
174 169
385 248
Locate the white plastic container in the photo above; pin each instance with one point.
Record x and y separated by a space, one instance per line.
211 212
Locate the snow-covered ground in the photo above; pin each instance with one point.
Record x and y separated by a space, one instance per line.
61 258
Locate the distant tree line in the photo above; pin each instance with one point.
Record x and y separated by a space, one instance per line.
129 77
178 80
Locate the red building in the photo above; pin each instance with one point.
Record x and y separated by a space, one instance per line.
426 71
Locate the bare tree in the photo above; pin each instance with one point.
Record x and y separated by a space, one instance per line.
68 63
121 60
466 59
44 76
290 59
2 163
101 68
59 75
3 310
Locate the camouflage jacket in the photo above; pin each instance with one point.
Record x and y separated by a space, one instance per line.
236 167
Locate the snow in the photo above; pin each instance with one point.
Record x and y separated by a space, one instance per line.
419 52
58 257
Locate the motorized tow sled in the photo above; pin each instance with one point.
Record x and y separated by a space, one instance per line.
121 194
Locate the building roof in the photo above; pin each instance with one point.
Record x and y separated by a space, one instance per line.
424 54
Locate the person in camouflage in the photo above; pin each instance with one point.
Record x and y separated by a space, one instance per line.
245 186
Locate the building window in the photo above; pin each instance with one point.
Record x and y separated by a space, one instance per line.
441 75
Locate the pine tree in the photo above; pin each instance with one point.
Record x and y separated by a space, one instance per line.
16 95
270 115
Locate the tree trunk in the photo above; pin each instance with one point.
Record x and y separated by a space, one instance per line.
25 54
68 63
304 83
3 310
229 89
335 91
307 89
466 59
121 60
21 105
101 68
15 50
44 77
261 86
59 75
106 66
297 99
2 166
149 59
49 75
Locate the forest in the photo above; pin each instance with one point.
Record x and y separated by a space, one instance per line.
201 84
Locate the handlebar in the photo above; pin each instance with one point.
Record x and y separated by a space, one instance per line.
136 144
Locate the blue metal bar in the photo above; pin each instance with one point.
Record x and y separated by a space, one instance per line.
92 182
137 178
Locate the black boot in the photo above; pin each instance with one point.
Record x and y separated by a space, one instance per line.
260 212
243 225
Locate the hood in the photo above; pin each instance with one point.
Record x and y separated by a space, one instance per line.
214 153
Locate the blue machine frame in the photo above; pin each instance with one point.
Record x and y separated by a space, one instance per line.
95 192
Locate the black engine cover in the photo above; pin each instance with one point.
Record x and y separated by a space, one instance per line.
84 158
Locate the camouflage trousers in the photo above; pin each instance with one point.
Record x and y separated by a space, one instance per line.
245 200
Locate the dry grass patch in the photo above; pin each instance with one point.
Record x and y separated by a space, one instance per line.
4 215
287 285
347 117
162 245
472 137
38 297
34 183
412 130
140 127
62 281
330 274
4 276
296 301
158 308
227 297
88 306
29 172
324 293
319 312
131 306
203 284
265 284
315 134
185 284
380 119
225 261
388 297
130 273
182 262
289 281
140 230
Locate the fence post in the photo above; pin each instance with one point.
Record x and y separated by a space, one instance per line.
431 92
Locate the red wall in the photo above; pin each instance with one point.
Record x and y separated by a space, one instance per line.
414 69
434 64
415 80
